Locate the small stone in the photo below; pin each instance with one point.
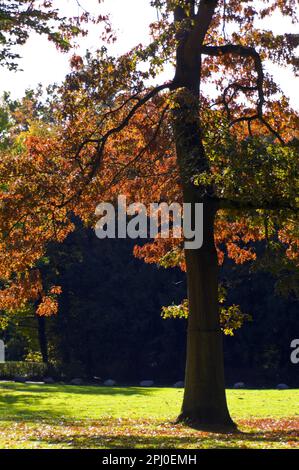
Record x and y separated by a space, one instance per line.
146 383
20 379
31 382
49 380
76 382
239 385
179 384
109 383
282 387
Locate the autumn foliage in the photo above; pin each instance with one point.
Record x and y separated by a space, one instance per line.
106 132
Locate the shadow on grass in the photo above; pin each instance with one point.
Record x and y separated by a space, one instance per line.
26 401
207 440
76 389
109 433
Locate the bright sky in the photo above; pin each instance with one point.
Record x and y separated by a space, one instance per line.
42 63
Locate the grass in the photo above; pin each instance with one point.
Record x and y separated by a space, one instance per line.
63 416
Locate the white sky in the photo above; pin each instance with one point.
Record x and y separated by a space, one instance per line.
42 63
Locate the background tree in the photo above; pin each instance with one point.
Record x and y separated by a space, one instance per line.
19 18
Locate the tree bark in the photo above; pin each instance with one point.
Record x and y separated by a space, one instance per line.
42 337
204 403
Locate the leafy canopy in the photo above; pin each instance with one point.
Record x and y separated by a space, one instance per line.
108 131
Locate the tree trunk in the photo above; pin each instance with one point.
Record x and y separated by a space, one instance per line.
42 337
204 403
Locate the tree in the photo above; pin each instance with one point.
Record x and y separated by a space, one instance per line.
19 18
112 133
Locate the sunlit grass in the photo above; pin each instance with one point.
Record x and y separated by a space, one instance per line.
49 416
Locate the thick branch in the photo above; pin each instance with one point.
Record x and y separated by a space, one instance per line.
190 39
203 20
244 51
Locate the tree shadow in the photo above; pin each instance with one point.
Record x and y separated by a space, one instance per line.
108 433
202 441
30 406
79 389
30 401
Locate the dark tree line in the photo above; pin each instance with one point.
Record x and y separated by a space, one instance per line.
109 322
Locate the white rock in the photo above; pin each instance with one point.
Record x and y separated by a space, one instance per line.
109 383
282 387
146 383
20 379
76 382
179 384
239 385
49 380
31 382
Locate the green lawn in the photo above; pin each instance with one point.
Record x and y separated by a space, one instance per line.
63 416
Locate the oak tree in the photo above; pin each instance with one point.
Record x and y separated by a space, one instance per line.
114 132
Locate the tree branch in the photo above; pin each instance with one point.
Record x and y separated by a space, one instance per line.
203 20
141 152
266 205
190 36
242 51
115 130
101 141
245 51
